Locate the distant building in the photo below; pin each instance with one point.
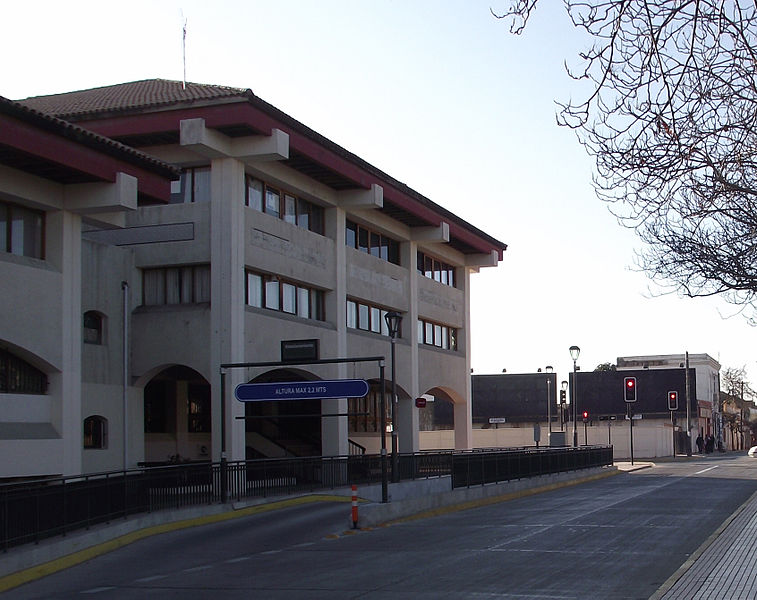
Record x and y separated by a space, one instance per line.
707 419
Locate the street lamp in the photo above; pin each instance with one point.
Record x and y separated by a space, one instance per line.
549 370
574 353
564 389
393 320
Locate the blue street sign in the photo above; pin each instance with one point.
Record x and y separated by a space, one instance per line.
301 390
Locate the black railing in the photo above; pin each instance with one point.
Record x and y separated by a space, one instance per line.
34 510
494 466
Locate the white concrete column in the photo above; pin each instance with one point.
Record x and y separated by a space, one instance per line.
71 340
463 411
227 299
409 418
335 430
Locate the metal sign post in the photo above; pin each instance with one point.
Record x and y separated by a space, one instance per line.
312 390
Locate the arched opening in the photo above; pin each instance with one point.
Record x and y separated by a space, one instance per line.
93 327
277 429
365 417
95 433
439 412
17 376
177 416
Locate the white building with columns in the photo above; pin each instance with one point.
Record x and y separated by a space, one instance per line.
271 233
56 178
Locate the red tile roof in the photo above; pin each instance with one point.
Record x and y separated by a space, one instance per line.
148 93
84 137
151 95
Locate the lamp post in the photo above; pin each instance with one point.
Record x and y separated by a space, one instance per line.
393 320
564 389
549 370
574 353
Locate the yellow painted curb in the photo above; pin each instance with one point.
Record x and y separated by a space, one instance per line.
64 562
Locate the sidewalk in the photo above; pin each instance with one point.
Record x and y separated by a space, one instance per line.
724 566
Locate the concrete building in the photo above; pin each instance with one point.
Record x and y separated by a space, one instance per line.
54 179
271 233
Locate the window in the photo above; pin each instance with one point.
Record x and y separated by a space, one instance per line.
365 413
176 285
93 327
192 186
283 205
435 269
372 242
198 410
436 334
96 432
274 293
367 317
19 377
21 230
272 202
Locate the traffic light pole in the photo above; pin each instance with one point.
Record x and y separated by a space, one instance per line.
630 419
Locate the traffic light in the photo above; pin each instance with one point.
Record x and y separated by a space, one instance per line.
562 396
672 401
629 383
586 416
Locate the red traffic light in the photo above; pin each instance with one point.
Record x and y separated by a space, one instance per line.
586 416
629 383
672 401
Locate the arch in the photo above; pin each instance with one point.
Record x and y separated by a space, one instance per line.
19 376
95 432
283 428
365 412
177 415
28 356
439 412
93 331
142 380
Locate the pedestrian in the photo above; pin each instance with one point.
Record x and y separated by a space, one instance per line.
700 443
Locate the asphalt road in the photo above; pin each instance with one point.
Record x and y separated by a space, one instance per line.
619 537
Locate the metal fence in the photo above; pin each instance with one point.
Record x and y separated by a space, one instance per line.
34 510
480 467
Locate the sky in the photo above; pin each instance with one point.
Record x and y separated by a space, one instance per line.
441 96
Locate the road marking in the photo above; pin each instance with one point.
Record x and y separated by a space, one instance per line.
200 568
97 590
238 559
151 578
705 470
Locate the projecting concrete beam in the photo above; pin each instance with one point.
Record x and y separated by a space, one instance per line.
431 234
93 198
482 260
209 143
372 198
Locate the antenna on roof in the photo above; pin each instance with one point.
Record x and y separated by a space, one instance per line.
184 51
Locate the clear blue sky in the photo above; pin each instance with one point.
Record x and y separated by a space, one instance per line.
441 96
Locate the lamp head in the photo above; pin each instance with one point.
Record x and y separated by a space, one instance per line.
393 320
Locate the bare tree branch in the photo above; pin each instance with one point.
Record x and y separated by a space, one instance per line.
671 122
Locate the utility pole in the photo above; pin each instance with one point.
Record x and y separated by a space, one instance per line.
688 408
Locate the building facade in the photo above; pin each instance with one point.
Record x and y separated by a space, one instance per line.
707 419
55 179
270 233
